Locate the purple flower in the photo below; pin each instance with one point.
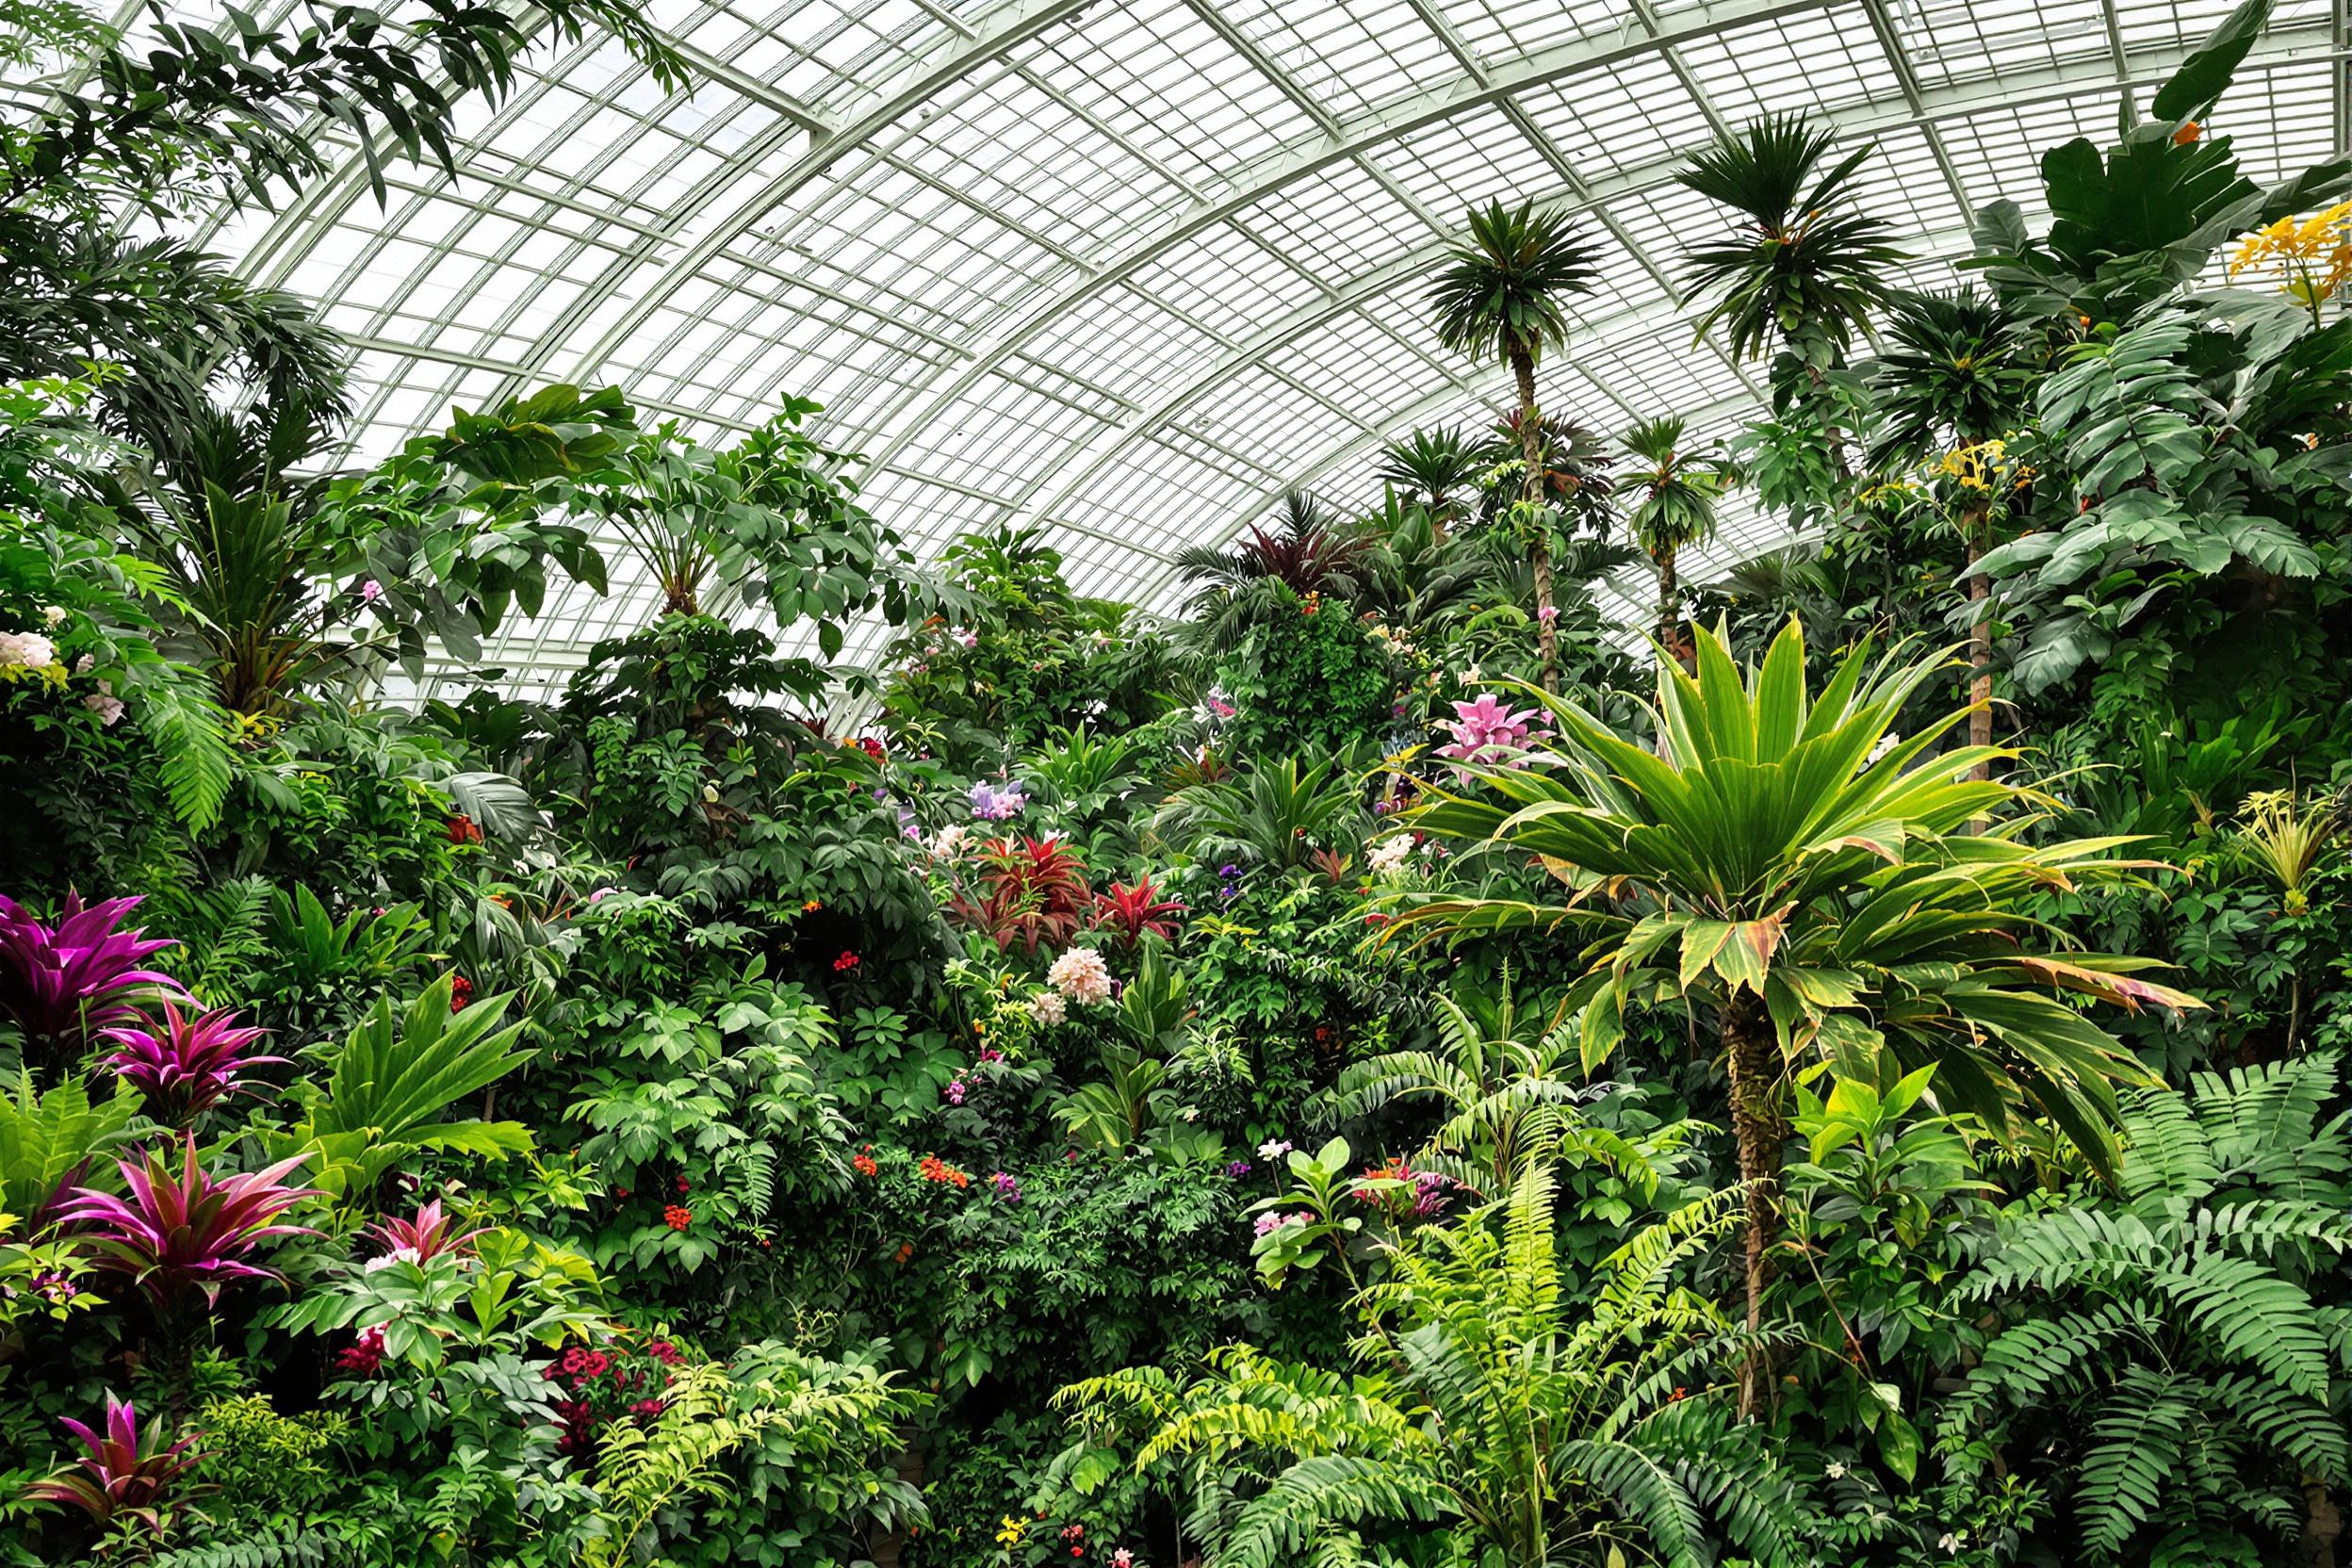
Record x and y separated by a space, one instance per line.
1006 1187
191 1066
371 591
62 984
174 1233
1237 1168
995 805
956 1093
1269 1223
129 1472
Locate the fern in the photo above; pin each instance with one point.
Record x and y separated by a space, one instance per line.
192 734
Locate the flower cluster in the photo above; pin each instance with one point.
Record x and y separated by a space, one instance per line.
1486 731
1228 882
991 804
933 1169
1081 976
1269 1223
605 1385
863 1162
845 963
677 1215
1047 1007
464 830
1273 1149
1007 1186
363 1356
28 655
955 1091
1388 854
1428 1187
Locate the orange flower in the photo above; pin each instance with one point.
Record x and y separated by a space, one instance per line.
2187 134
812 906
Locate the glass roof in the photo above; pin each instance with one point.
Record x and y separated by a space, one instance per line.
1127 270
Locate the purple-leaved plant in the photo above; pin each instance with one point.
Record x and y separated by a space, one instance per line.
174 1233
188 1063
127 1474
64 983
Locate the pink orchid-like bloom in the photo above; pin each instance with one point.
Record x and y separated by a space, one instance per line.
127 1473
1486 731
179 1232
371 591
190 1065
1549 613
66 982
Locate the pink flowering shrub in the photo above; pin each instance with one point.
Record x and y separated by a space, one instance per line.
622 1382
64 983
185 1065
178 1232
1487 731
126 1474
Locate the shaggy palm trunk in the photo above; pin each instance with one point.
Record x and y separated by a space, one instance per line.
1539 543
1668 610
1752 1055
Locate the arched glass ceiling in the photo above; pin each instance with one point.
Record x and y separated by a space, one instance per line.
1129 269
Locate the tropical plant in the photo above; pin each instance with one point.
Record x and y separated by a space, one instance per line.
377 1098
1674 489
1785 859
186 1232
2184 1338
423 1238
1278 813
126 1474
1135 912
1032 890
190 1065
1955 370
1800 271
49 1140
64 984
1503 297
1434 466
1307 554
1527 1424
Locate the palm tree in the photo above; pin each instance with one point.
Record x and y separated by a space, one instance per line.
1797 271
1674 491
1791 864
1504 296
1431 466
1954 376
1528 1424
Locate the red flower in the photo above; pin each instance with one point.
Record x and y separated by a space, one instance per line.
864 1164
365 1357
684 1185
465 831
872 747
846 961
677 1217
461 992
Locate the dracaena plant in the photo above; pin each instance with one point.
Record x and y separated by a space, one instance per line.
63 983
126 1474
186 1064
184 1232
1135 912
1033 890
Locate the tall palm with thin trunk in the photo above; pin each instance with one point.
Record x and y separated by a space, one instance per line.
1504 295
1673 487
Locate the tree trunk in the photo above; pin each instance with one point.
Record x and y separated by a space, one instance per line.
1752 1055
1539 544
1669 609
1979 653
2323 1524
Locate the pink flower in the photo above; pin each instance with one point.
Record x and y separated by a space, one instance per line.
956 1093
1486 731
365 1356
1269 1223
1048 1008
1549 613
371 591
1081 976
104 703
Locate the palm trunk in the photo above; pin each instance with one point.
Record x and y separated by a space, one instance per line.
1669 605
1752 1055
1980 654
1539 544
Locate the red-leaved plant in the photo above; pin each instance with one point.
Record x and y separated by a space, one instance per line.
175 1233
1033 890
187 1064
127 1474
1131 913
63 983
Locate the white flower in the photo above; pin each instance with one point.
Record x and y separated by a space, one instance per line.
1048 1008
52 614
1887 743
85 663
1081 976
710 793
1948 1543
1273 1149
1836 1470
949 841
30 649
104 703
1388 854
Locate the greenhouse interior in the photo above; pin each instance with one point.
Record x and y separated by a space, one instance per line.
1176 784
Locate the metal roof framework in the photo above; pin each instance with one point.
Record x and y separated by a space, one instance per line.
1128 269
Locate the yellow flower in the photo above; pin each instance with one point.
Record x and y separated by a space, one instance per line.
1976 467
1010 1530
2312 255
